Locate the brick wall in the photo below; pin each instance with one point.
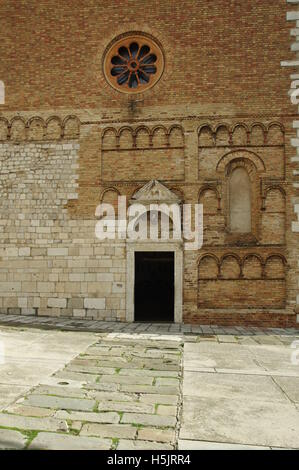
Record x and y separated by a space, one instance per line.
69 141
224 52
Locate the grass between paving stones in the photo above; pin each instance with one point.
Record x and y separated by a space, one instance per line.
30 435
95 408
115 442
22 431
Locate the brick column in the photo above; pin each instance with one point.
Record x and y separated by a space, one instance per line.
294 95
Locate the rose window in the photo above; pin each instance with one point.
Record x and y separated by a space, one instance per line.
133 64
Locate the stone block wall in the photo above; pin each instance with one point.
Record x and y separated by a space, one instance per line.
50 264
293 18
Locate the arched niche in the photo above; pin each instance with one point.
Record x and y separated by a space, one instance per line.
206 138
142 137
176 137
18 129
208 197
110 196
208 267
275 267
53 128
126 138
239 201
252 267
230 267
257 135
159 137
109 139
36 129
222 135
239 136
71 127
161 224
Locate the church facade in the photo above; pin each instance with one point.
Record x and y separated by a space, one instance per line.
162 103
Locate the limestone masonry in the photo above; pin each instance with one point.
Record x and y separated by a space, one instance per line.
217 128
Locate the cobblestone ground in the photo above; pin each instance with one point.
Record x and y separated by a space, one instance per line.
121 393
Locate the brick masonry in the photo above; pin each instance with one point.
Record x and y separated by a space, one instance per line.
69 141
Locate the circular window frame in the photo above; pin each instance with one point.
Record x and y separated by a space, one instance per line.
125 40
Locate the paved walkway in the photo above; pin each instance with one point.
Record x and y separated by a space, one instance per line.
71 324
31 355
240 394
122 392
147 387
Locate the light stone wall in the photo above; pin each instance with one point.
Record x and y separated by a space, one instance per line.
50 264
294 16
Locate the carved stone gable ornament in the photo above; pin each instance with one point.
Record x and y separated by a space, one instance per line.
155 192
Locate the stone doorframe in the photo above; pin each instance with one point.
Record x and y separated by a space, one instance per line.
177 248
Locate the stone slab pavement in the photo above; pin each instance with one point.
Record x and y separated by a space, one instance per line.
112 391
30 355
148 386
240 395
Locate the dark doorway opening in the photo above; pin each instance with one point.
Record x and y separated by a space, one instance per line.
154 286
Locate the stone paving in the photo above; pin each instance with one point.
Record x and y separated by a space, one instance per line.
74 324
241 393
123 392
152 386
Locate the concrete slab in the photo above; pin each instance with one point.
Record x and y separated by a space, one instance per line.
290 386
205 445
9 393
238 395
32 355
275 359
240 422
219 355
255 388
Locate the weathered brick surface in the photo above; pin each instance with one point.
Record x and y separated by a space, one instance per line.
219 52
